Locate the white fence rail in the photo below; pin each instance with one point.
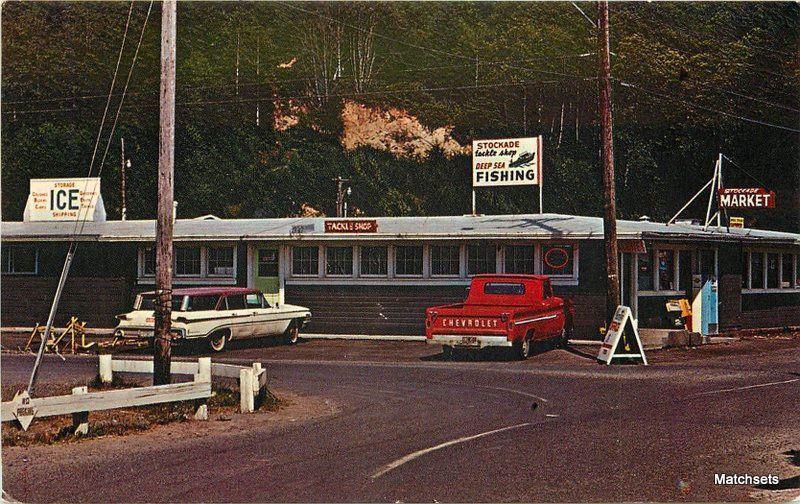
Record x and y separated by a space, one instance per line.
252 390
252 379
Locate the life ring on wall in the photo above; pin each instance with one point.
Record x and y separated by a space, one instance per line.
555 261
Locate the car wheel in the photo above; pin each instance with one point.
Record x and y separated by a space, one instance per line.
523 348
292 334
217 341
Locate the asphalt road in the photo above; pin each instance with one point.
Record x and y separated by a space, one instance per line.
558 427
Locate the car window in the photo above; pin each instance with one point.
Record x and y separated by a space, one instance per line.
148 303
201 303
255 300
235 302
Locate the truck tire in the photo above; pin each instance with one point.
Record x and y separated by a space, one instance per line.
292 333
218 340
522 349
447 352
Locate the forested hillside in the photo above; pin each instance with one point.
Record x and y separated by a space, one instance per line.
275 99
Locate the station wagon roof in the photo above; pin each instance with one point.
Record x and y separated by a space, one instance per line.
521 226
210 291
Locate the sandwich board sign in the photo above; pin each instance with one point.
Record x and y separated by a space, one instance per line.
622 339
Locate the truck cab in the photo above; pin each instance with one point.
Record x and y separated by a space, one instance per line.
512 311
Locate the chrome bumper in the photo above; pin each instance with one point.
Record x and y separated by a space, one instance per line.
466 341
139 333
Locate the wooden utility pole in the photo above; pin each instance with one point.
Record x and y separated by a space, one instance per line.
609 197
166 154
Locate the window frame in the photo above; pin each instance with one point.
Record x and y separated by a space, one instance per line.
534 255
421 273
489 246
202 278
459 259
541 259
200 261
764 253
6 270
352 261
361 261
207 260
320 263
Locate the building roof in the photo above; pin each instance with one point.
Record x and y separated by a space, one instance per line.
530 226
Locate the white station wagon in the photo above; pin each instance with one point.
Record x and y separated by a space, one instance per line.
216 315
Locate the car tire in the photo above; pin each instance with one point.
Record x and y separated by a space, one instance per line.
217 341
522 349
292 334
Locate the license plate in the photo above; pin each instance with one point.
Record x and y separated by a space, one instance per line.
469 340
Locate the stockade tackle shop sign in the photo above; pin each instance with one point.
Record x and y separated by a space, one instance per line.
506 162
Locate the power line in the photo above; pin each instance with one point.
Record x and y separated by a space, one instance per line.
703 107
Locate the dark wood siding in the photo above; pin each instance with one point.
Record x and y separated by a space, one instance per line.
26 300
367 309
398 309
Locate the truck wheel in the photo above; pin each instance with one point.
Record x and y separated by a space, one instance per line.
563 339
522 349
217 341
292 334
447 352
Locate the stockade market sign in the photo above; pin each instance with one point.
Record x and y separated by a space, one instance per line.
74 199
506 162
750 197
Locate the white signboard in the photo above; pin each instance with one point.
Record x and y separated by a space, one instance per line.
631 347
70 199
507 162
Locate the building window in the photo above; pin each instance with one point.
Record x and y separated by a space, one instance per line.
645 272
770 270
519 259
374 261
187 261
219 261
558 260
268 262
149 262
756 270
20 260
408 260
481 258
339 261
788 274
305 261
445 260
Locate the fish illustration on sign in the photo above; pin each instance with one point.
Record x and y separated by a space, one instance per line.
524 159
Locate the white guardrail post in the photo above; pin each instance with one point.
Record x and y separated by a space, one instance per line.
104 368
203 375
246 385
80 420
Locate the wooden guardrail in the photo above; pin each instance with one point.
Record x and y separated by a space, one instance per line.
252 391
252 379
24 408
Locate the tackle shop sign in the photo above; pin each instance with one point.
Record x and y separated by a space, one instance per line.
74 199
507 162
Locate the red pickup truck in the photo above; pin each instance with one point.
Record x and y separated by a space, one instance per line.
501 311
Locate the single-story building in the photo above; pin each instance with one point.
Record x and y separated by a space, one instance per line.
377 275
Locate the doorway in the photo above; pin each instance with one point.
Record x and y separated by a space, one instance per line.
267 278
